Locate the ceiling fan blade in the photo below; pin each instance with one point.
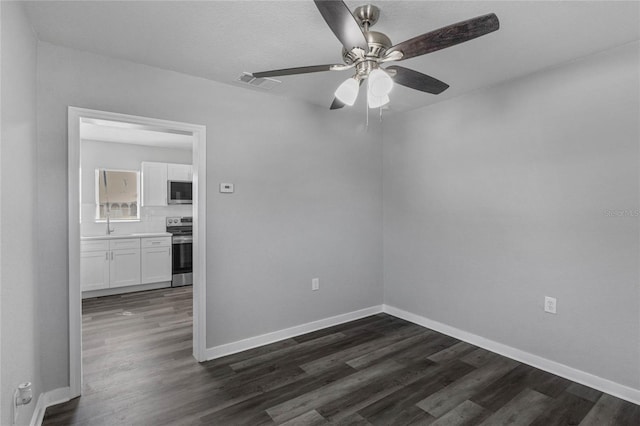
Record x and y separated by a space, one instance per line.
336 104
416 80
447 36
292 71
342 23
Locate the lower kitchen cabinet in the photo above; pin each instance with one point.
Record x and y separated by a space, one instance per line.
94 270
124 269
122 262
156 260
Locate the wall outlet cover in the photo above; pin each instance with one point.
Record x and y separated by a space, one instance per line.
550 304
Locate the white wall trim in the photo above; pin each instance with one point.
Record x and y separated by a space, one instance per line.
287 333
199 225
75 294
47 399
616 389
199 164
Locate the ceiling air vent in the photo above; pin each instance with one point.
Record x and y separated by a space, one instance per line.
262 83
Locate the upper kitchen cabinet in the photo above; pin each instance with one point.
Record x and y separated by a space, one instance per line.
179 172
154 184
155 177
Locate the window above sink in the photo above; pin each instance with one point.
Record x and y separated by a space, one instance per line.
117 195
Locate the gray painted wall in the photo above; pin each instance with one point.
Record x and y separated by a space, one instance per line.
121 156
496 199
18 261
492 201
308 200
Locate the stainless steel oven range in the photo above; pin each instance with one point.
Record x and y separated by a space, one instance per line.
181 229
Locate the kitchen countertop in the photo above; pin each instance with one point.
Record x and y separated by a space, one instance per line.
120 236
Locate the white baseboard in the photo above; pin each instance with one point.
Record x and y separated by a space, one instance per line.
287 333
124 290
47 399
616 389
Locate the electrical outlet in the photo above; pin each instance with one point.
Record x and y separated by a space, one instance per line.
315 284
550 304
22 396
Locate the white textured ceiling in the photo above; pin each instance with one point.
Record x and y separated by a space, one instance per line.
219 40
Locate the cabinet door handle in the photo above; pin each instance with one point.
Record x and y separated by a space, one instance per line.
106 255
111 255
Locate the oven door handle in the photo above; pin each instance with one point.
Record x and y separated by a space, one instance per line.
182 240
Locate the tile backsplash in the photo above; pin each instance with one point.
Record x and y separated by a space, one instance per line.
152 219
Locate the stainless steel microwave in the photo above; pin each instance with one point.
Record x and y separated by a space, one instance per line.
179 192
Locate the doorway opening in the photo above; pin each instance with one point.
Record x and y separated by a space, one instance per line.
111 203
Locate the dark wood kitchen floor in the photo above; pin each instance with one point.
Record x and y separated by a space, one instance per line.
379 370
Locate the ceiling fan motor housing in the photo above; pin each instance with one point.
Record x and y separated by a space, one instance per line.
378 45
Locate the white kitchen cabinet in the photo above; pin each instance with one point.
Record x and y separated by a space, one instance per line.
155 177
154 184
94 265
179 172
94 270
156 259
124 269
116 262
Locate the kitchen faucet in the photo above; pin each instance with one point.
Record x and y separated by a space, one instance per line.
110 230
107 205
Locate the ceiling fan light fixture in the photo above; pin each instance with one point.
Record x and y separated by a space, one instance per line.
379 83
377 101
367 50
347 92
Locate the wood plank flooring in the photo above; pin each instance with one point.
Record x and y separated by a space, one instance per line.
379 370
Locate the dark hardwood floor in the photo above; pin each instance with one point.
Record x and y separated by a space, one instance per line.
379 370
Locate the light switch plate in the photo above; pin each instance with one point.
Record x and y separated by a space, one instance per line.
226 188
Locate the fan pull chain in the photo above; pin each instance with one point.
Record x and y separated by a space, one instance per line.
366 124
381 114
366 127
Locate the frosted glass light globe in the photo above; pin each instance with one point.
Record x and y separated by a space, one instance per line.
379 83
347 92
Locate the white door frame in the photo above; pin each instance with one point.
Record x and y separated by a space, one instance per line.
199 234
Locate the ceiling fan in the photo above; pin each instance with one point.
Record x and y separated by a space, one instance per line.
365 51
